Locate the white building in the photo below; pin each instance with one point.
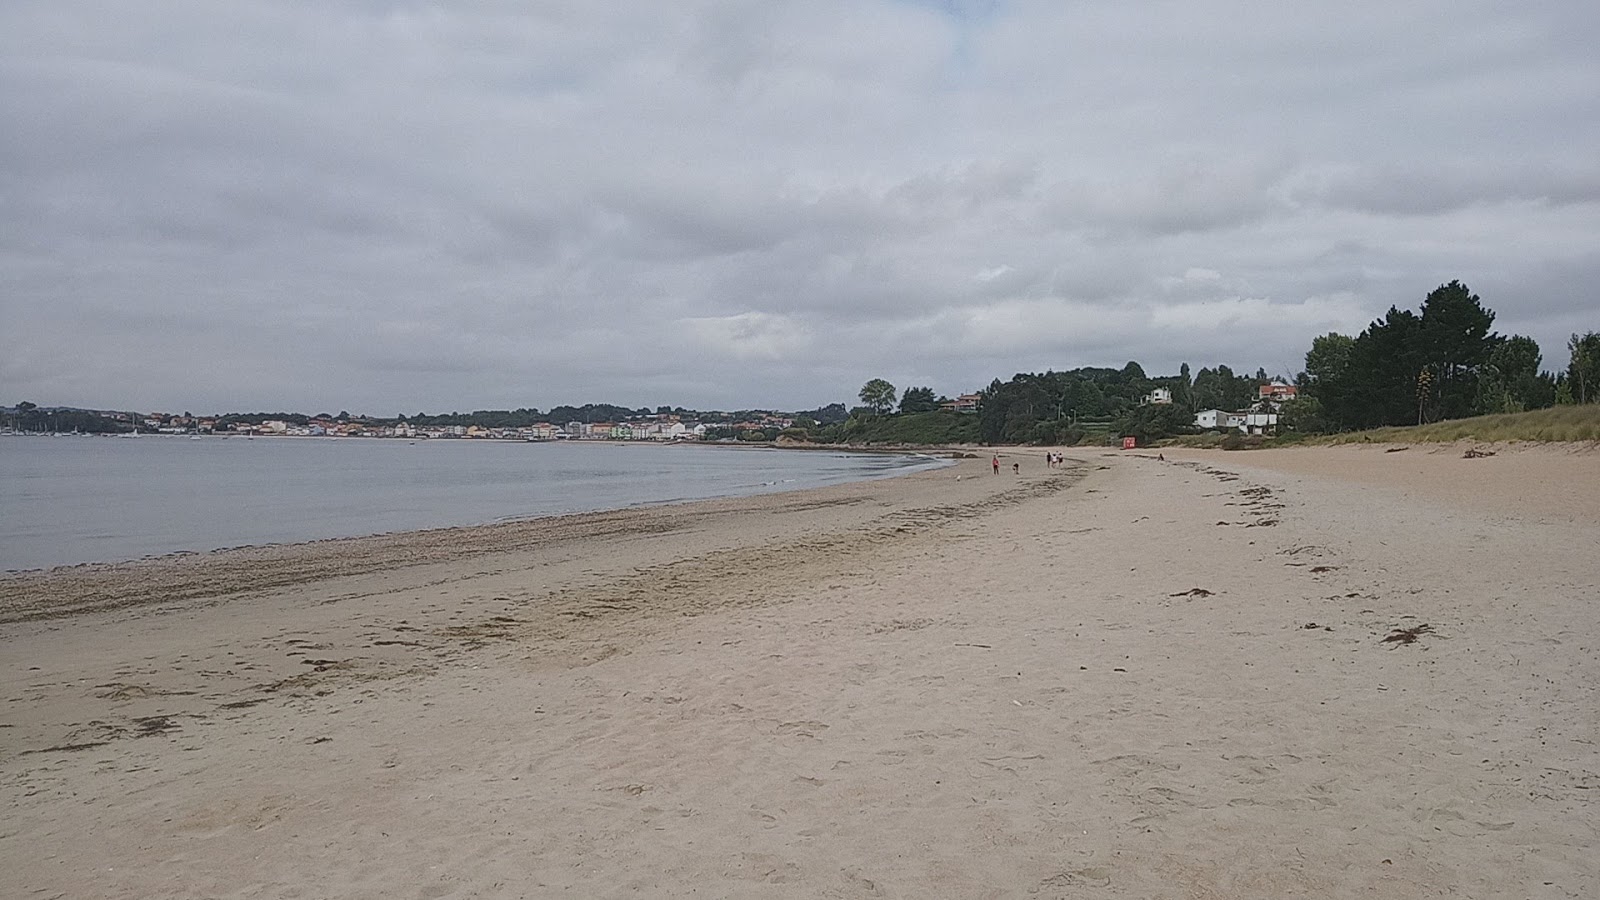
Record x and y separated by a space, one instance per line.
1259 422
541 431
1160 395
1218 419
1263 422
663 431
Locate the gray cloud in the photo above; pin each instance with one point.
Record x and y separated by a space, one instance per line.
389 206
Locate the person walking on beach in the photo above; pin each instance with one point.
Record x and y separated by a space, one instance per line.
996 463
1016 468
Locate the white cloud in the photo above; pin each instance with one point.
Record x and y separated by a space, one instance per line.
478 204
746 336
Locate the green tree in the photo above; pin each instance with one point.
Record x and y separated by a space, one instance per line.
1456 344
1304 414
1207 392
1379 386
27 412
1183 391
1135 380
1243 389
832 414
1563 391
1510 381
918 400
1516 357
1494 394
878 395
1377 378
993 403
1154 422
1583 368
1327 359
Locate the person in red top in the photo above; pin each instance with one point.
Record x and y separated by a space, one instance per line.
996 463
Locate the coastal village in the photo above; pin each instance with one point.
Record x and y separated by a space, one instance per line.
1259 419
665 427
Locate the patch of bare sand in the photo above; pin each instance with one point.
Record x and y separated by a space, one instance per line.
1132 679
1555 482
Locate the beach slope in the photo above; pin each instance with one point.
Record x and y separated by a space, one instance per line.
1213 675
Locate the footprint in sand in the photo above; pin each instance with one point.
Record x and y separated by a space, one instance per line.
1077 878
806 728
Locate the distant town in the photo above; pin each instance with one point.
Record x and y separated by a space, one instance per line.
653 426
592 422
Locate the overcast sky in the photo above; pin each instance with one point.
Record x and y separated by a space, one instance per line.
396 207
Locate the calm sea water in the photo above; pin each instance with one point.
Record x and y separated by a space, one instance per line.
69 500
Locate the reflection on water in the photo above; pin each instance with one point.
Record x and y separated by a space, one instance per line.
78 499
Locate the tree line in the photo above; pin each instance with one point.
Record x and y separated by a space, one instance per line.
1442 361
29 417
1083 405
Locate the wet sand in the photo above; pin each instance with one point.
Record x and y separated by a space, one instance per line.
1128 678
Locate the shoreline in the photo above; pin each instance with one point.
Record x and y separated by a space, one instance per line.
183 575
922 462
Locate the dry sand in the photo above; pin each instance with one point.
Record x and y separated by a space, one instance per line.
1131 678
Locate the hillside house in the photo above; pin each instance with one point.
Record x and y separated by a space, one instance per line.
1277 392
966 403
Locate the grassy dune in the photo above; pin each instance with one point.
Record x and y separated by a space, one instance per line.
1554 425
1559 423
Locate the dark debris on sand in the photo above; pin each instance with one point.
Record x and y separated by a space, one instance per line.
1408 635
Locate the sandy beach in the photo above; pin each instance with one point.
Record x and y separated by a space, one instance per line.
1340 672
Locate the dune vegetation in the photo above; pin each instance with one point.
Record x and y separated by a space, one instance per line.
1573 422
